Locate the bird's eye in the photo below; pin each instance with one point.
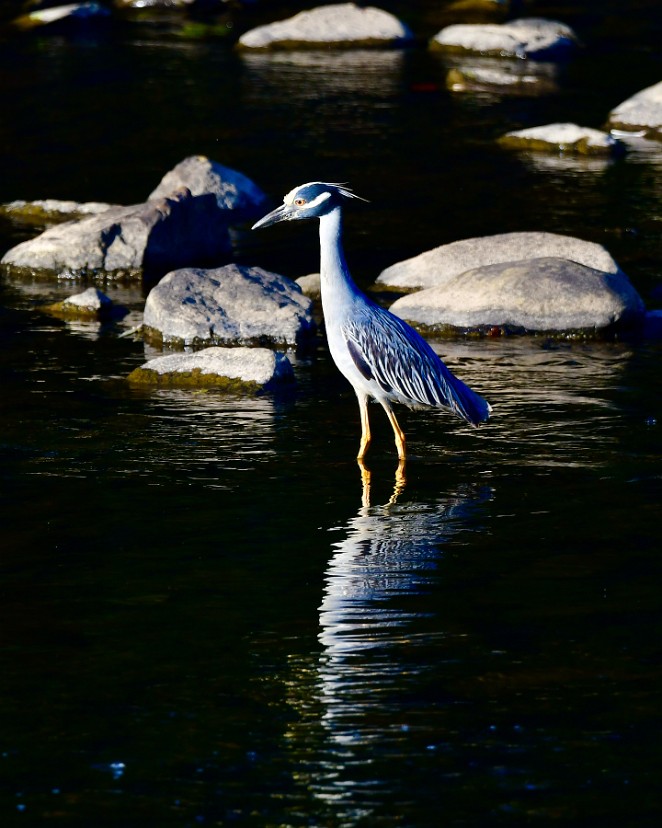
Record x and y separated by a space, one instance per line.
299 202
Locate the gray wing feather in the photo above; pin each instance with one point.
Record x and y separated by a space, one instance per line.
402 362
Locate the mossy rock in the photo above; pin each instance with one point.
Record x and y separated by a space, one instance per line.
192 379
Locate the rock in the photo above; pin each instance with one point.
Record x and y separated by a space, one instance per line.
158 235
567 138
232 189
90 304
435 267
231 369
547 294
310 285
345 24
533 38
227 305
642 113
70 14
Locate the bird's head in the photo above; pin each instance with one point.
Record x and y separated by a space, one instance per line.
312 200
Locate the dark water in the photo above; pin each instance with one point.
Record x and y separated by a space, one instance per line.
203 621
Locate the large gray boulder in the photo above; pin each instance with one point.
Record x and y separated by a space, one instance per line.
640 113
344 24
227 305
230 369
232 189
435 267
548 294
533 37
159 235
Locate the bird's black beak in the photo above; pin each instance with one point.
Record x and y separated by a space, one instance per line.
282 213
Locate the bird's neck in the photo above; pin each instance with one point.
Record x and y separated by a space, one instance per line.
334 273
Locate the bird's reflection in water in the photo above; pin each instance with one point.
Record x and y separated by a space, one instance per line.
386 560
374 619
399 483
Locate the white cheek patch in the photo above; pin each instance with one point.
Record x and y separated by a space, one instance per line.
321 198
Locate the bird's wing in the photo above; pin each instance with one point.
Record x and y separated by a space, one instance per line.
385 349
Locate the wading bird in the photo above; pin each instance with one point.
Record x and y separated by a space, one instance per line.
380 354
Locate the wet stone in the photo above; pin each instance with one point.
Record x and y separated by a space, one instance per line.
435 267
563 137
537 295
344 24
227 305
239 370
534 38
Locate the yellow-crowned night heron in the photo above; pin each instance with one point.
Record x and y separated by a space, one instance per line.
379 353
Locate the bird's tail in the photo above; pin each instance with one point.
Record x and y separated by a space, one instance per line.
467 404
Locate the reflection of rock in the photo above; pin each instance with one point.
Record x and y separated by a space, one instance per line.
565 138
547 294
322 76
227 305
345 24
533 38
640 113
503 77
230 369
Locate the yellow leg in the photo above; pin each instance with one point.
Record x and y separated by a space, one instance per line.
398 432
365 426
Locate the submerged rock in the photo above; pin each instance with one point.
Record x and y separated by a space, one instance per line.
90 304
567 138
641 113
534 38
232 189
538 295
170 232
344 24
230 305
435 267
230 369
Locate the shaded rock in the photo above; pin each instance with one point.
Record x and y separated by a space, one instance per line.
159 235
70 14
435 267
642 113
200 175
568 138
229 369
345 24
90 304
532 37
310 285
546 294
228 305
